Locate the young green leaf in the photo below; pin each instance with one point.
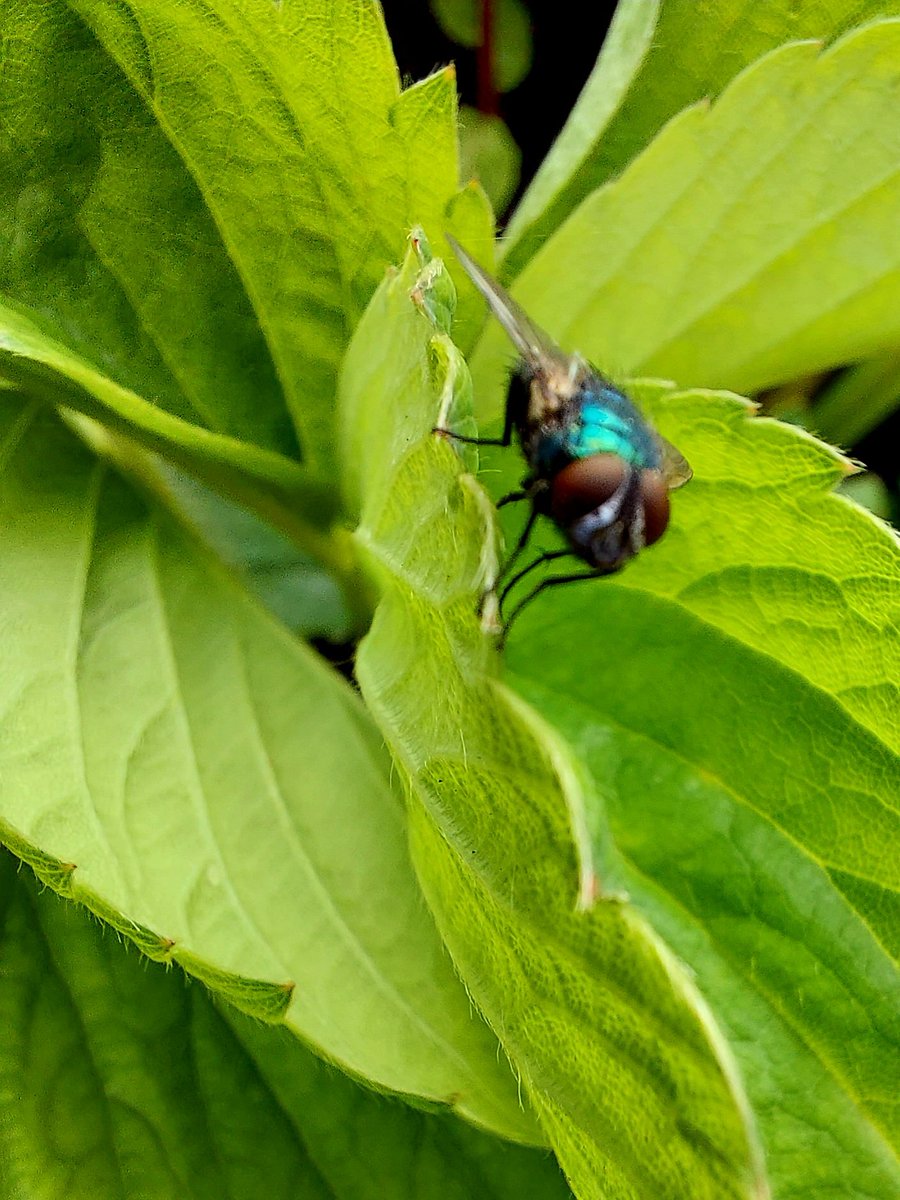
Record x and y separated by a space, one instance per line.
658 58
175 760
612 1042
750 243
128 1082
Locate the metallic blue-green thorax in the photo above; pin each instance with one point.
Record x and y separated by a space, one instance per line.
599 420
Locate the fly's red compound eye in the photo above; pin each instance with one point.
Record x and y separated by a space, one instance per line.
584 485
655 499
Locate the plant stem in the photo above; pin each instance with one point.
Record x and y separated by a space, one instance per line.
487 89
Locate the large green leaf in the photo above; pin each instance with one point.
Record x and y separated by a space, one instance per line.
110 242
121 1081
199 198
752 242
612 1042
174 759
763 550
657 58
736 702
118 1080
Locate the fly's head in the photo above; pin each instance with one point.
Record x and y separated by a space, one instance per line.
608 509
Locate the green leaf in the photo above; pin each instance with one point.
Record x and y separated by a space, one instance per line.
46 370
736 702
262 486
513 44
175 760
460 20
751 243
110 242
200 199
127 1083
765 551
658 58
612 1042
301 593
489 152
870 491
561 181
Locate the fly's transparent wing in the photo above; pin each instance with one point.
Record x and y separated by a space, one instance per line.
536 347
675 467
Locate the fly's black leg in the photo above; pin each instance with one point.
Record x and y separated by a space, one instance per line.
547 556
505 440
553 581
520 546
530 490
471 441
513 498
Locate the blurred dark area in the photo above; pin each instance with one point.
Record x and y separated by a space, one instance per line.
879 452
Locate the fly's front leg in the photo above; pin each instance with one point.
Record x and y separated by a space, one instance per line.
505 440
513 498
552 581
531 489
547 556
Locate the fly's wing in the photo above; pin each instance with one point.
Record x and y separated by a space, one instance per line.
675 467
536 347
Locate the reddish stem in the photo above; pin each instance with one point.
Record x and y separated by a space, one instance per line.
487 90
